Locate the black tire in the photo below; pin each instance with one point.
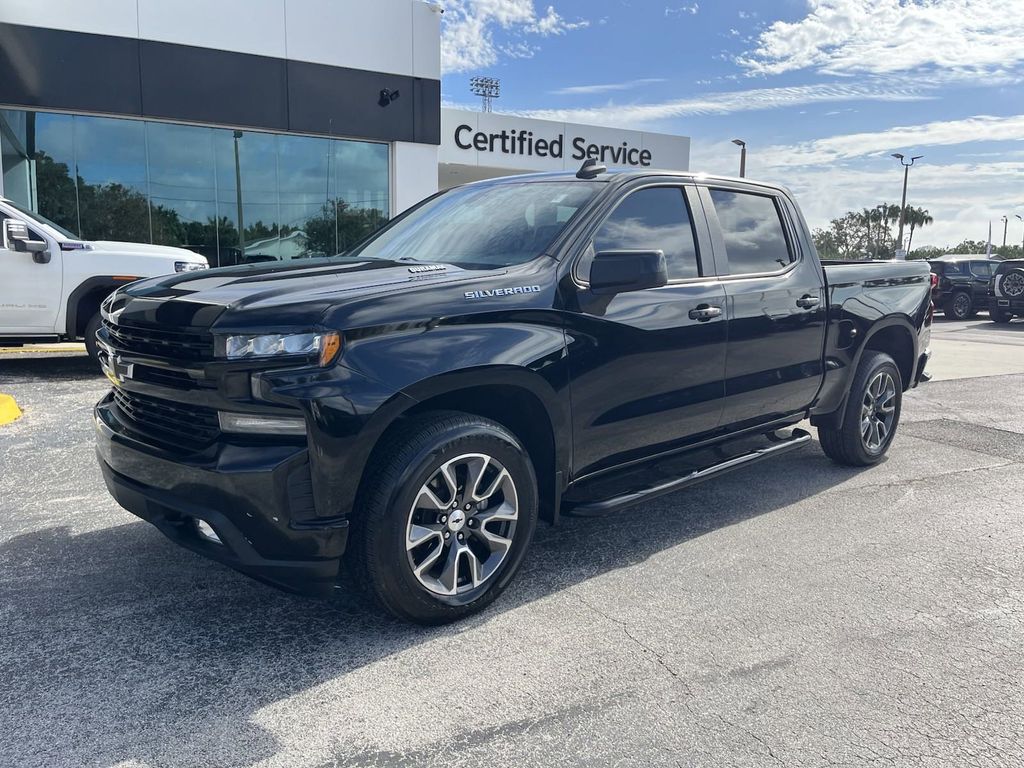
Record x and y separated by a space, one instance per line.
999 316
90 337
960 306
849 445
387 509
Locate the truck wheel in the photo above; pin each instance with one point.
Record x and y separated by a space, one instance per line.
90 337
999 316
872 414
1013 284
444 521
960 306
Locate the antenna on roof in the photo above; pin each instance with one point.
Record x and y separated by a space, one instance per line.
590 169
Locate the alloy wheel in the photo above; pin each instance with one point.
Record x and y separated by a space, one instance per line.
1013 284
878 411
961 306
462 524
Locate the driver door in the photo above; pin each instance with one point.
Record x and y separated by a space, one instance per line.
30 293
648 366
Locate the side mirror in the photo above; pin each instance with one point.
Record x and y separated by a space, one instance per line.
622 271
16 237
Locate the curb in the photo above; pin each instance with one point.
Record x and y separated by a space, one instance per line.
9 410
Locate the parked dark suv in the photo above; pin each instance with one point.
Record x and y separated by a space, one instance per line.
1006 292
963 284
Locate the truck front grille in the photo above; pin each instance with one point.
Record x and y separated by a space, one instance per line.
173 425
176 345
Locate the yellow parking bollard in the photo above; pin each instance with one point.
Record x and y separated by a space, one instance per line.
9 410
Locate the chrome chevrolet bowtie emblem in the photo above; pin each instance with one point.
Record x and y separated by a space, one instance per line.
117 370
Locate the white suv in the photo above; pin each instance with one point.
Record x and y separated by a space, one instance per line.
52 283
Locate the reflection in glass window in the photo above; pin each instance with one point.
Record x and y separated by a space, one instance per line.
654 219
173 184
54 156
359 192
481 227
182 187
754 238
110 160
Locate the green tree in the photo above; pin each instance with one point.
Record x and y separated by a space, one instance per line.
916 218
56 192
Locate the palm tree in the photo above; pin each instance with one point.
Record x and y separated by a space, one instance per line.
917 217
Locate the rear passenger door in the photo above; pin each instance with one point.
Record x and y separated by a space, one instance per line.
981 274
775 305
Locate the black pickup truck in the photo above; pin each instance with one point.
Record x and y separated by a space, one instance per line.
504 352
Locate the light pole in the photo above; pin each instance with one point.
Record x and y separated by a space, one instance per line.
1006 222
1021 218
903 204
743 156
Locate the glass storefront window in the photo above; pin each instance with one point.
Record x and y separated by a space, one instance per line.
182 187
172 184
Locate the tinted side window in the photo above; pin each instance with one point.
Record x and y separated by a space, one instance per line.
981 268
755 240
654 219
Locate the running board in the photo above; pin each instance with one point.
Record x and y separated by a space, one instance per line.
797 438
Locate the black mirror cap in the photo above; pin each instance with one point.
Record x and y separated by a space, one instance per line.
614 272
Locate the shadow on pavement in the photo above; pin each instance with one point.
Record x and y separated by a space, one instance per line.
119 646
47 367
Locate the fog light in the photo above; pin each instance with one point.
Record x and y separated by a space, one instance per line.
205 530
255 424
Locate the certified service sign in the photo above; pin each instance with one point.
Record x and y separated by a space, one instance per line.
489 140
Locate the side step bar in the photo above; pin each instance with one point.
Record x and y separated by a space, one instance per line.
797 438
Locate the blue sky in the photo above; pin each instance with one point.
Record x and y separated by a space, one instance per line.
823 91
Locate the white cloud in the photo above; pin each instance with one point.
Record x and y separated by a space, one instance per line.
467 31
579 90
692 10
835 149
840 173
642 115
951 39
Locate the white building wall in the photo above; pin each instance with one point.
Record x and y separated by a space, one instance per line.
397 36
414 174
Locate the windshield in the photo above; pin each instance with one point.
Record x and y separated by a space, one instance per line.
483 227
42 221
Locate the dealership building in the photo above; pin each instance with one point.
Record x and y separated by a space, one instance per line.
252 130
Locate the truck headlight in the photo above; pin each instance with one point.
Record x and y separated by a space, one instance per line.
189 266
324 345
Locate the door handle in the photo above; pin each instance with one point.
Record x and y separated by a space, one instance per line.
808 302
705 312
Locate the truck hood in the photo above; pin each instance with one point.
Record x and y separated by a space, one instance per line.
145 249
276 295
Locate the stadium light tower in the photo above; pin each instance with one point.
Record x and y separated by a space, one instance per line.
487 88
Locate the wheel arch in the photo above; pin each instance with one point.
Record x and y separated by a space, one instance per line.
521 401
897 339
895 335
85 300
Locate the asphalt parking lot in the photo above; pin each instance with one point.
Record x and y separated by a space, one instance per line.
792 613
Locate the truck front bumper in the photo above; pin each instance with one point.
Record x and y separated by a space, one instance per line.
241 493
